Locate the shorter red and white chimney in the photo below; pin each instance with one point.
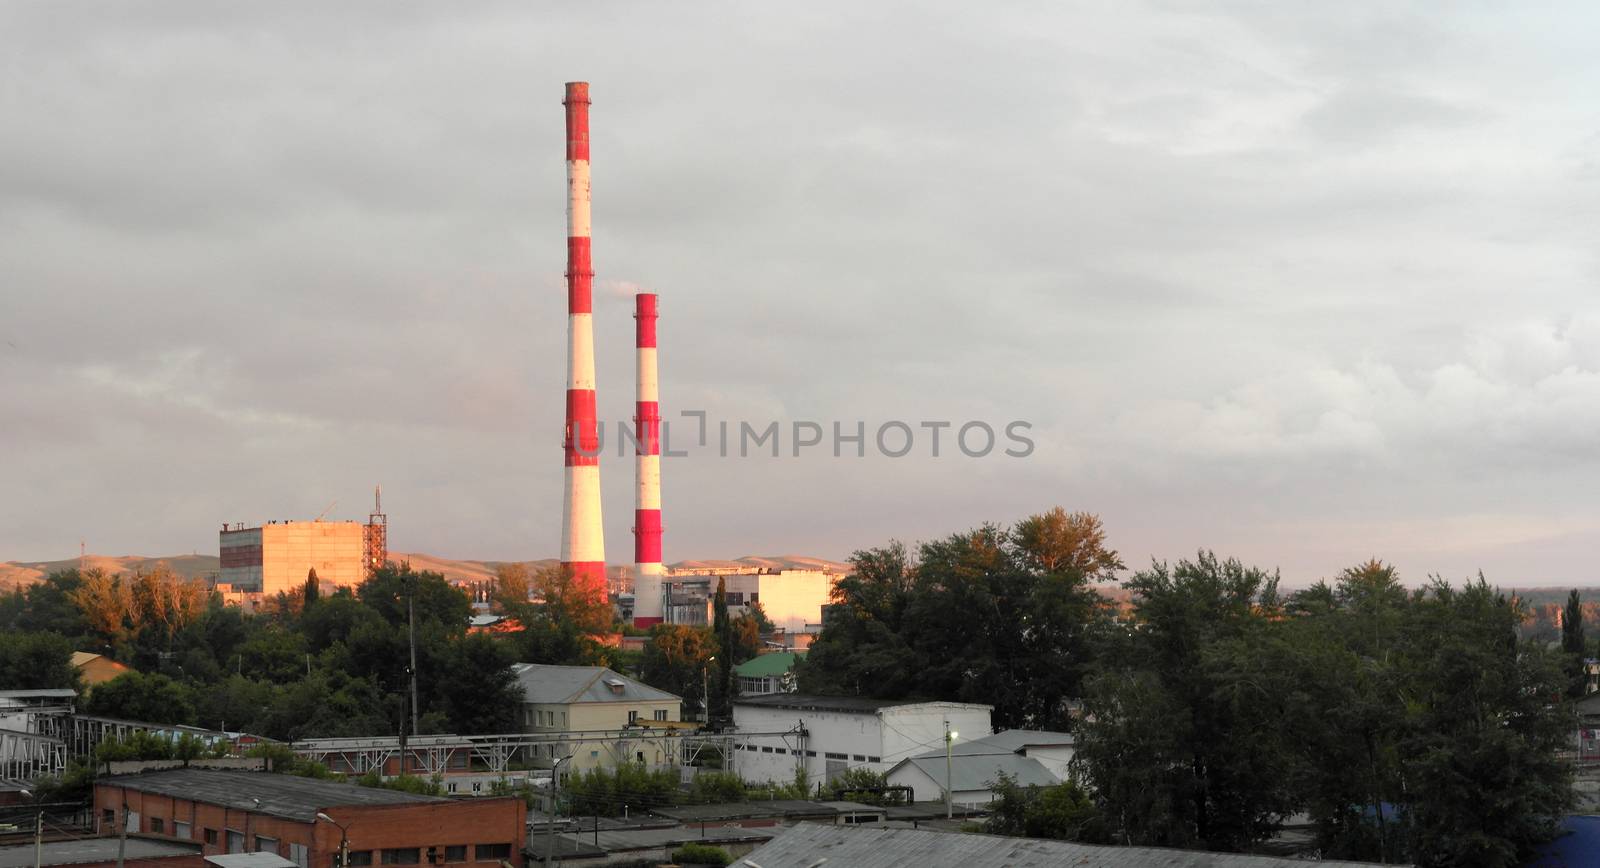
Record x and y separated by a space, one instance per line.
647 503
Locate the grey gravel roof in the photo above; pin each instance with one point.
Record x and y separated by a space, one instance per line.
564 684
83 850
978 772
287 796
862 847
258 859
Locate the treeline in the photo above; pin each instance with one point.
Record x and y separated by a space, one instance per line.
309 664
1410 725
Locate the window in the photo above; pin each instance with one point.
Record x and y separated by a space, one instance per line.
455 853
402 856
211 837
858 758
812 754
563 719
132 822
266 845
235 841
158 826
360 858
491 852
736 598
108 821
766 749
661 714
873 759
182 829
779 750
300 855
831 755
633 718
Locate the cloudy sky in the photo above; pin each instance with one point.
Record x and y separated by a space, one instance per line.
1302 283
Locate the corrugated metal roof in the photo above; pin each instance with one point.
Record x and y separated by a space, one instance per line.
776 663
82 850
861 847
848 704
287 796
978 772
258 859
1004 741
567 684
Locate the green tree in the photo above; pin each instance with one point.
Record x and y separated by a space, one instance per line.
148 698
30 661
311 591
675 660
1185 739
1063 812
1572 644
722 677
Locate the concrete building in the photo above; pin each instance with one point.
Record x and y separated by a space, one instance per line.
767 673
830 734
102 853
1032 758
792 599
592 699
277 556
238 812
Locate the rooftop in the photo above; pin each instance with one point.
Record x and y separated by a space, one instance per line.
863 847
83 850
746 810
569 684
978 772
287 796
763 665
848 704
1003 742
258 859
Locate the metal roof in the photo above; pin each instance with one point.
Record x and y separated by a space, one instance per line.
979 772
746 810
258 859
287 796
848 704
82 850
1005 741
569 684
864 847
776 663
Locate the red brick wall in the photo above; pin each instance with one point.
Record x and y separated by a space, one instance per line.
372 827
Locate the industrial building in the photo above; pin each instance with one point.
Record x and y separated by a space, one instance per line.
307 820
277 556
792 599
831 734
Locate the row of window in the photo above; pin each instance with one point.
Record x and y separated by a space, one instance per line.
660 714
301 855
860 758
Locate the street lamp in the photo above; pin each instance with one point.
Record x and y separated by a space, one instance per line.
705 687
344 840
550 821
38 832
949 739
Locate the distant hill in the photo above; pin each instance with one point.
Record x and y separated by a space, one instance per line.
22 573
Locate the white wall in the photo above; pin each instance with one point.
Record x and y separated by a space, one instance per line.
1054 758
926 789
871 739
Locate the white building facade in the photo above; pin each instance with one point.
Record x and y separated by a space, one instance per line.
782 734
792 599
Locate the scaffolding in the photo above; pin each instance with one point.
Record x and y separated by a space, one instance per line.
375 536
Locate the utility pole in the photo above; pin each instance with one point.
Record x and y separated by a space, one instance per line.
550 819
705 688
38 840
949 739
122 835
411 618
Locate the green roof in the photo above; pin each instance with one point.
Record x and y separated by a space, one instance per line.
766 664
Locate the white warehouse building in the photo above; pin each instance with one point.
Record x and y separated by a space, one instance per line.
826 735
1030 757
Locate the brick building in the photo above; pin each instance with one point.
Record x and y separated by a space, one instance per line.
236 812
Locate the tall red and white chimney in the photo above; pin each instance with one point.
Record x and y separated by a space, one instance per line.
582 539
647 471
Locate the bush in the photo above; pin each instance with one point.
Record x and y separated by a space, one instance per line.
701 854
712 787
603 793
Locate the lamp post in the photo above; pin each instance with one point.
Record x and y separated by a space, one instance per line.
344 840
38 832
949 739
705 687
550 822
